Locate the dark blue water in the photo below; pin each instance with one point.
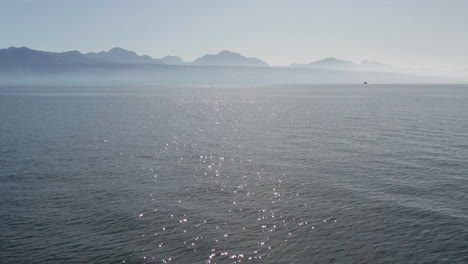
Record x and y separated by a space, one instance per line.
283 174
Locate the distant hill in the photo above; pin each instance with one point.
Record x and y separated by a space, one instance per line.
116 66
331 63
23 56
70 57
173 60
122 56
227 58
328 63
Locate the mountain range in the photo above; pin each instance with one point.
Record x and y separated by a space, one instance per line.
225 58
121 56
25 56
118 66
331 63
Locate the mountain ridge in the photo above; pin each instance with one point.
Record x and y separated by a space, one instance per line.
332 63
24 55
173 60
120 55
228 58
23 65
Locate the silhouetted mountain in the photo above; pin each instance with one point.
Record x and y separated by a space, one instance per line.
227 58
122 56
173 60
24 65
327 63
25 56
337 64
331 63
70 57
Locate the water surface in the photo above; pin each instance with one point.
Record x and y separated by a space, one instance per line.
268 174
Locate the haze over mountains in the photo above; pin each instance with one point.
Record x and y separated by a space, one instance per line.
337 64
23 56
24 65
174 60
225 58
26 56
122 56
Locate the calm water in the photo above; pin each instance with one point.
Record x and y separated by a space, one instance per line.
298 174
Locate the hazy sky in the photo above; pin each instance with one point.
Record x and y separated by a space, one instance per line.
419 33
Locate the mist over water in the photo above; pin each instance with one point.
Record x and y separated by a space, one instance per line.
255 174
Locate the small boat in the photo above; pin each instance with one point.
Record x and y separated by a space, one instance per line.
365 82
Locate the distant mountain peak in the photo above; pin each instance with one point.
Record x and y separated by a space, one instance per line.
26 56
332 63
174 60
18 48
331 60
227 52
118 50
121 55
229 58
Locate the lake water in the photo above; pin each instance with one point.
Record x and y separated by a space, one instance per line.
279 174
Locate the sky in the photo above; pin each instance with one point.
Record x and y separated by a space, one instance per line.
405 33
